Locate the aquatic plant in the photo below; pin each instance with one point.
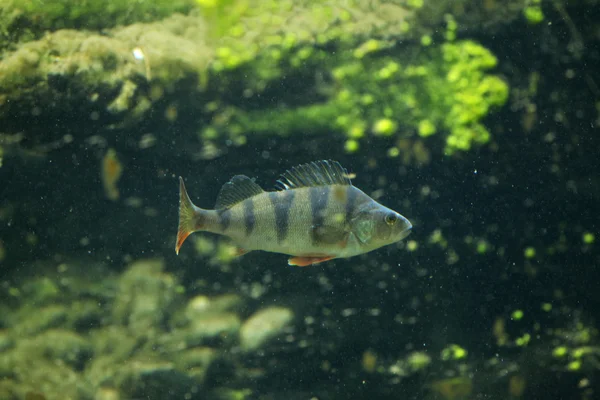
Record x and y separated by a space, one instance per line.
28 19
133 335
356 87
533 12
243 60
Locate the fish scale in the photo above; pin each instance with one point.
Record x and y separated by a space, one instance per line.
317 215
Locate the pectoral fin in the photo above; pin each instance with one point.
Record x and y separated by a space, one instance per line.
305 261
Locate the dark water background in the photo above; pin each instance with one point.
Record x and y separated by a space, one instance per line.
523 191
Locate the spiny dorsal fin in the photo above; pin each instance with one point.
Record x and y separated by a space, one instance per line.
238 189
316 173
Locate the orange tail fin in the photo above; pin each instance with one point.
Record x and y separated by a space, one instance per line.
189 216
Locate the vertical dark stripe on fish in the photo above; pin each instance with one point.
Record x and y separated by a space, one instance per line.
351 197
249 219
224 219
318 204
282 203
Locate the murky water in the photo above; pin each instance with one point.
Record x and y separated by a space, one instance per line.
477 121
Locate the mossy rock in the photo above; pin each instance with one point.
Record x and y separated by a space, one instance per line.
249 67
98 77
23 20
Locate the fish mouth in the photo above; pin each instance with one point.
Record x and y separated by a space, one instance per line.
407 225
407 228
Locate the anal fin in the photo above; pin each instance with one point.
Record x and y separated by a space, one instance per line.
302 261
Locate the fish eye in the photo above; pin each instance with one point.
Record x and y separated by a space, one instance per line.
391 219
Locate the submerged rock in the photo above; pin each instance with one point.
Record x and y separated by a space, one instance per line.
195 362
200 306
27 19
102 73
263 326
155 381
107 393
205 320
229 394
42 364
58 346
9 390
213 328
6 341
85 315
49 317
115 340
146 297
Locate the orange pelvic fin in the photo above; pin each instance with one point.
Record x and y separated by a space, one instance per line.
303 261
240 252
190 217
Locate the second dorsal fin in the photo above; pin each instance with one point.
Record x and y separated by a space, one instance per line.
316 173
238 189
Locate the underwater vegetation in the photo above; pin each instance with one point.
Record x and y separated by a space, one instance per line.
98 334
375 86
127 336
367 69
378 95
31 19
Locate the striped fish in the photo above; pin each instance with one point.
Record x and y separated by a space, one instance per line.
317 215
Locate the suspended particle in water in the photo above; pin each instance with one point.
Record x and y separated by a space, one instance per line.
369 361
111 171
140 56
146 141
171 113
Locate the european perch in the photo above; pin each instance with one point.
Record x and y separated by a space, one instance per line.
315 216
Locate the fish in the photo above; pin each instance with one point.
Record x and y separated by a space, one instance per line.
315 215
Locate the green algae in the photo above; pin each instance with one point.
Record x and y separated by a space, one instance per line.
28 19
588 238
140 339
100 73
359 77
377 86
453 352
533 12
446 91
